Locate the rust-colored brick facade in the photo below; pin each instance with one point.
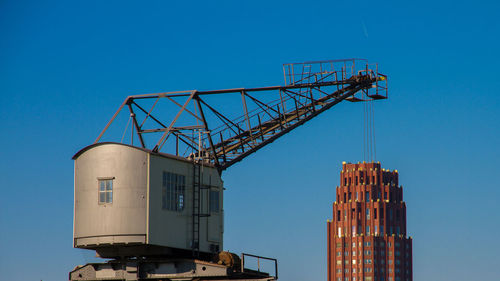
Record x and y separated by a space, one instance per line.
367 238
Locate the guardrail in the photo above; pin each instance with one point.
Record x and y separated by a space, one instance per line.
243 255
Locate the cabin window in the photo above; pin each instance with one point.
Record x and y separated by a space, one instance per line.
214 201
173 189
105 191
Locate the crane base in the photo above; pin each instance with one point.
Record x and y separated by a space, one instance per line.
170 269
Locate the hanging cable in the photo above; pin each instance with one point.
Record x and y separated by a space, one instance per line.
369 143
364 127
370 131
126 128
373 132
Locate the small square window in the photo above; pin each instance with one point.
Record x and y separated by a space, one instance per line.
105 191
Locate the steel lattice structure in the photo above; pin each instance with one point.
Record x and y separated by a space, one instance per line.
201 131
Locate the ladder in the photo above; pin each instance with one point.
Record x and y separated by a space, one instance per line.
197 208
195 242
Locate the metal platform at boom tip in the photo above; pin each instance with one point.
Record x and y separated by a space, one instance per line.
205 125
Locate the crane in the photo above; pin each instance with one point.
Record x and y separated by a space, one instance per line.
157 209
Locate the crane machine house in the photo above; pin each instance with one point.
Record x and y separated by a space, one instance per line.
130 201
157 211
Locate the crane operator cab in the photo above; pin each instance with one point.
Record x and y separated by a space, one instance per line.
132 202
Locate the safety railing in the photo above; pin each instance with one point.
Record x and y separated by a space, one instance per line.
244 258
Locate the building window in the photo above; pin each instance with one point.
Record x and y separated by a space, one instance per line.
339 233
345 181
338 215
339 245
346 253
368 261
367 214
354 231
105 191
174 186
375 213
385 195
376 229
382 231
367 253
367 196
214 201
367 230
339 254
368 244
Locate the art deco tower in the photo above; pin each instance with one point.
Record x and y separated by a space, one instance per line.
367 239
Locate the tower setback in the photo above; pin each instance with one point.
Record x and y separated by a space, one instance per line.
367 238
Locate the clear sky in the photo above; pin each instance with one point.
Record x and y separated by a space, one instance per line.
65 66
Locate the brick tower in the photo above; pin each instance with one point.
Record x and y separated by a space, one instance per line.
367 238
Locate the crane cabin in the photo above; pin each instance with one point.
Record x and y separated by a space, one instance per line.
130 201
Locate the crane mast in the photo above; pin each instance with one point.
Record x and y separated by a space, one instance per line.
206 126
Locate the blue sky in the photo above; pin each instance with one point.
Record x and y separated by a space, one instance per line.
66 66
